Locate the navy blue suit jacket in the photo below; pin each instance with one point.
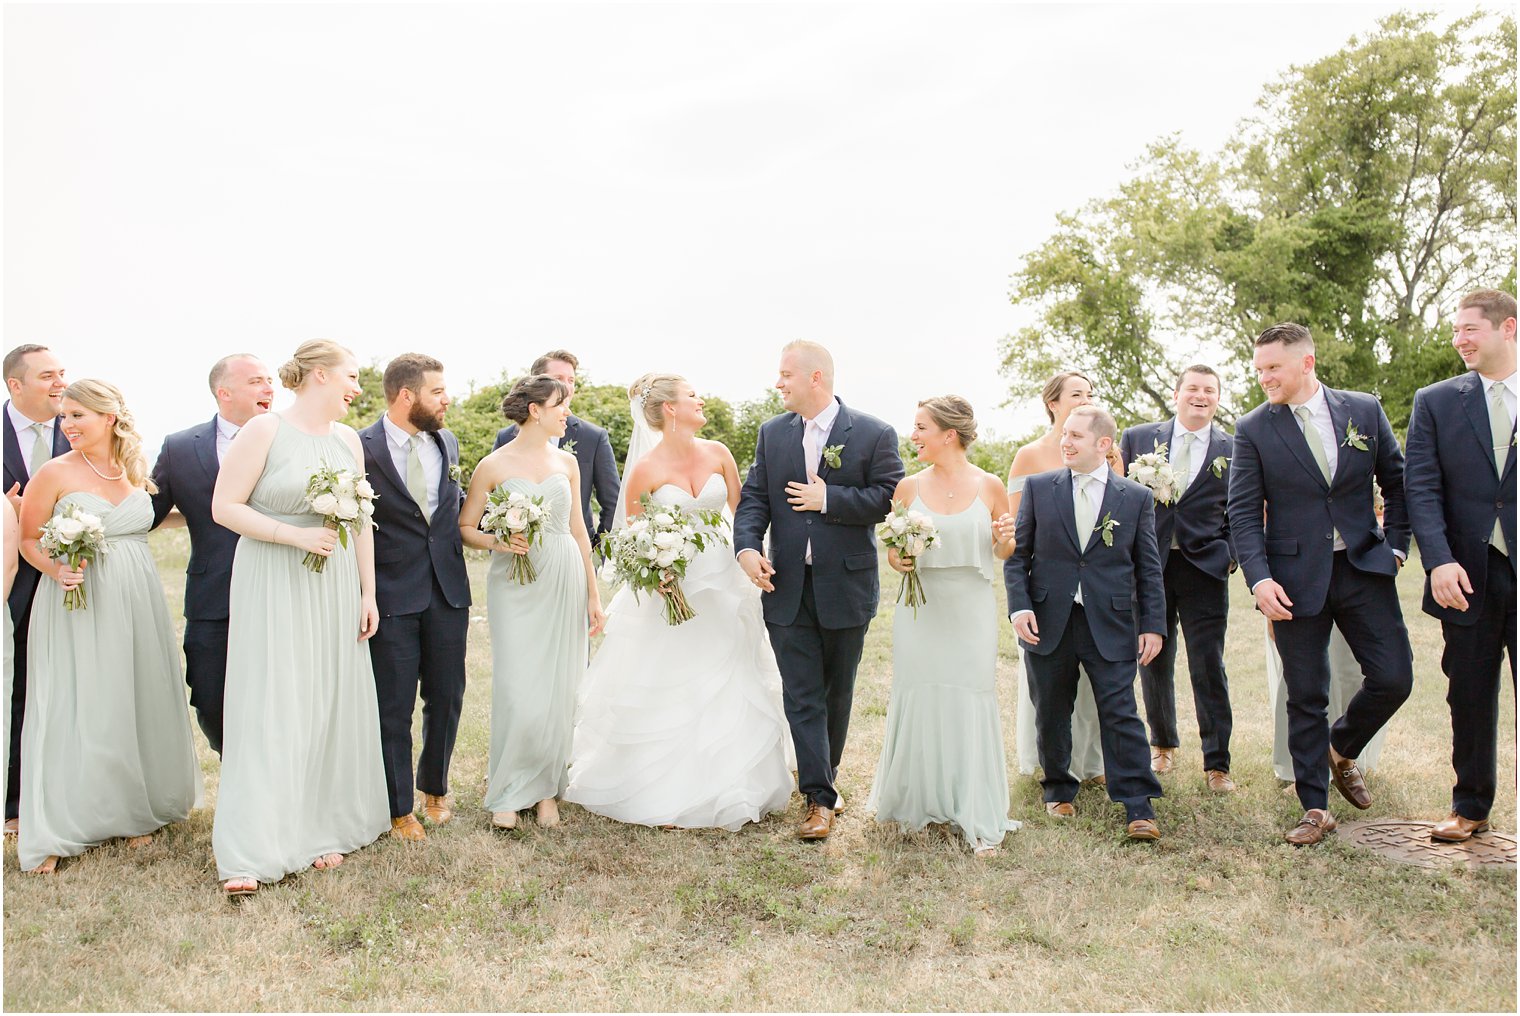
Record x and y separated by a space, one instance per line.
845 581
1122 592
1453 486
599 471
1273 468
1198 517
15 472
186 473
410 551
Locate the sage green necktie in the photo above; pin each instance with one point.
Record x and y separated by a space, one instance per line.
416 479
1499 423
1316 446
1182 465
42 449
1087 515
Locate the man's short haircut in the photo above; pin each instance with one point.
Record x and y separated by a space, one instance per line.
1103 424
1497 307
15 360
221 367
813 356
541 365
406 371
1288 333
1198 368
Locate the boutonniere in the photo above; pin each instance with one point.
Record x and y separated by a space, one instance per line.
456 473
1107 527
568 446
831 455
1354 437
1219 465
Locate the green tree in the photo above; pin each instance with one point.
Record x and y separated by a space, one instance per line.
1369 191
368 405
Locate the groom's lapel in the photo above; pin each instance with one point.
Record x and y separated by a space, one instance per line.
796 463
1065 507
837 436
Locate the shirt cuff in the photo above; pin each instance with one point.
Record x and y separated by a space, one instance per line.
1259 582
1401 555
1018 613
823 509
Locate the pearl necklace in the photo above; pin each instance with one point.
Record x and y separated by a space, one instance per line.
98 473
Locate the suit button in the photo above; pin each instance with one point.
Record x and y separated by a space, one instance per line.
1328 500
1081 564
430 539
417 514
1329 536
810 522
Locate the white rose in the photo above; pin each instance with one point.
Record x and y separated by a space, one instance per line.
325 504
664 520
898 523
638 527
68 529
364 490
666 558
608 572
667 540
649 553
517 518
348 507
345 484
689 550
916 547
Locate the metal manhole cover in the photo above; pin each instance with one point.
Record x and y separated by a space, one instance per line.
1410 843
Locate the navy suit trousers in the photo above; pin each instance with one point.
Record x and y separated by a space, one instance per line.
1472 660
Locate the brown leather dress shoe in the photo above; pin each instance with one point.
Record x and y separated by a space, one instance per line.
1348 780
1456 829
1313 827
1060 809
1162 760
1143 829
817 823
437 810
407 828
1219 781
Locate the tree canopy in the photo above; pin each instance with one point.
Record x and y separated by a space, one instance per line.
1366 194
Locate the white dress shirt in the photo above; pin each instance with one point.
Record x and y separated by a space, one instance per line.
1094 494
815 437
1509 394
225 432
428 452
1197 453
26 437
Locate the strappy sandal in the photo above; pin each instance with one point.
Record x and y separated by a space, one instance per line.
243 887
323 864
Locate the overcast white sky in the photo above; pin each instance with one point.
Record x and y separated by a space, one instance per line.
653 186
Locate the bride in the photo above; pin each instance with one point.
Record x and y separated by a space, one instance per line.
682 726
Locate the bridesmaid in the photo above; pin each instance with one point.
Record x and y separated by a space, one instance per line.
1062 393
538 630
302 778
106 746
942 757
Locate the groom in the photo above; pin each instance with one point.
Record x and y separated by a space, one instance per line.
822 479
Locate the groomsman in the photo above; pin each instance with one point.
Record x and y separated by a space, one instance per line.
1084 588
185 473
421 587
1460 485
1193 537
1309 456
34 379
586 441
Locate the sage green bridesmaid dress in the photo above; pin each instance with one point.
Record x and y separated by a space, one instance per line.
302 774
942 757
106 745
538 654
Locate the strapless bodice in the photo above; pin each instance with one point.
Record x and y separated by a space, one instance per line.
129 520
712 497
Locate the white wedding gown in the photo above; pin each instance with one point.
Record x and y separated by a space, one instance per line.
683 725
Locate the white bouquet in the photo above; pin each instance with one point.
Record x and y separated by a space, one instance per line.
515 513
910 533
76 535
1153 472
651 553
344 499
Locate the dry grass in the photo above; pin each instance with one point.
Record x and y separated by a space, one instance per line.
595 915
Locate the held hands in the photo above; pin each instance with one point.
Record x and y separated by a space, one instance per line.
595 619
1003 527
1447 584
69 578
517 543
14 495
317 540
1150 645
1027 629
758 569
898 562
1272 600
807 497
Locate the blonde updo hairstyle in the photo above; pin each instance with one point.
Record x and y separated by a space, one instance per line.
951 412
126 444
650 393
310 356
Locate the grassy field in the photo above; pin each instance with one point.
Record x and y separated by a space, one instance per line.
1221 914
